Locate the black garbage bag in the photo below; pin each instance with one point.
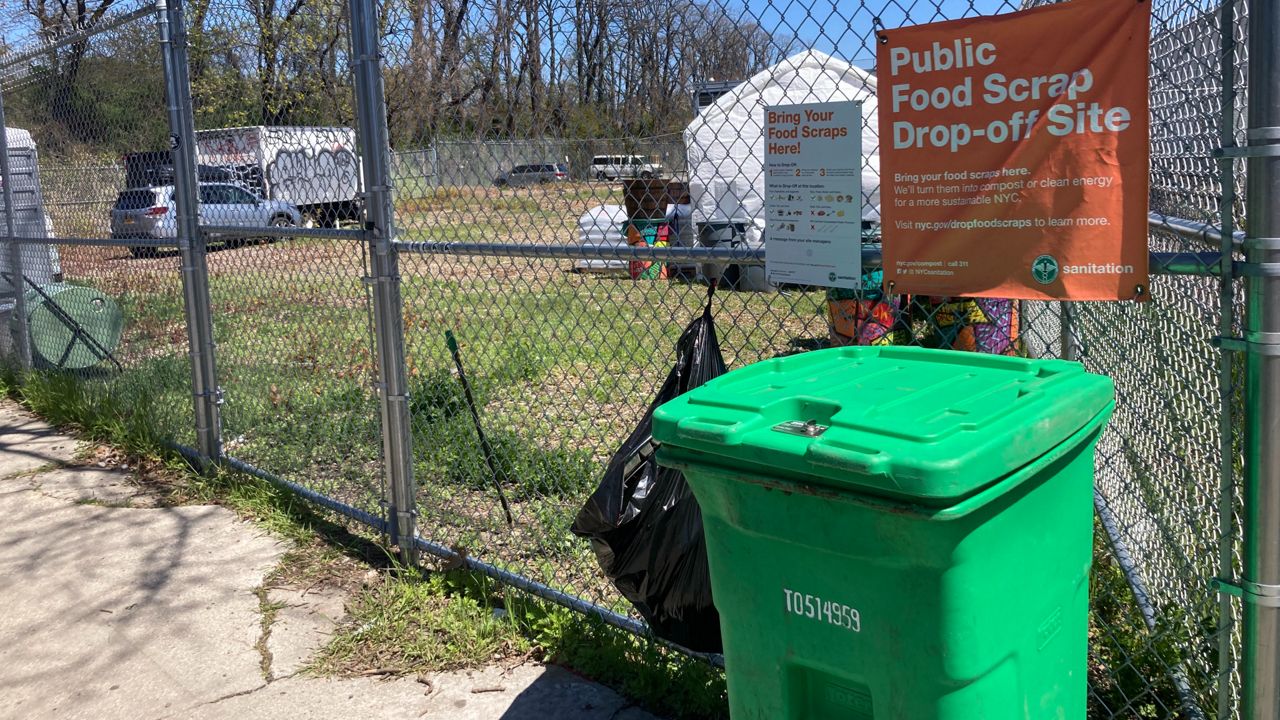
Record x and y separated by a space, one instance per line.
643 521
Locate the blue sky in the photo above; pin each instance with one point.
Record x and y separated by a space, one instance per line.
843 27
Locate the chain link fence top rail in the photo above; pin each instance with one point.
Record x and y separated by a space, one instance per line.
516 125
100 322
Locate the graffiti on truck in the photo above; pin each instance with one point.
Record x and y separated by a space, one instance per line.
313 176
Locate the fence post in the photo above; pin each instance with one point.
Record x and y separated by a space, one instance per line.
191 244
1070 346
1261 572
371 113
19 326
435 166
1228 493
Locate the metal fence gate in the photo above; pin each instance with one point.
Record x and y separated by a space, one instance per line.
309 348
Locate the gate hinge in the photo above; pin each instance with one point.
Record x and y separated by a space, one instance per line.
1247 151
216 394
1250 592
1267 346
1256 269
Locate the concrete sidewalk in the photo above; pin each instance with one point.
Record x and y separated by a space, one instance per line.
112 607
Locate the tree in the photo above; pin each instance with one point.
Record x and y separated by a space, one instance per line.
58 20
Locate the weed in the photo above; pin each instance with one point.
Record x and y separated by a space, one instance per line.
660 679
268 610
123 412
1131 667
453 454
405 626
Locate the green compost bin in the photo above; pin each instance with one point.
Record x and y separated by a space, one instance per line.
897 532
72 327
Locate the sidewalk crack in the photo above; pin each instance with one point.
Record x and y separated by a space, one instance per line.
241 693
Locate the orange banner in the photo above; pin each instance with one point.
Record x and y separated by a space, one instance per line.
1013 154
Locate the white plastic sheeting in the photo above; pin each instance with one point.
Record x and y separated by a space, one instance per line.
40 262
602 226
725 143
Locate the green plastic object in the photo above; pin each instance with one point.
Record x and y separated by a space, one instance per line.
73 326
897 532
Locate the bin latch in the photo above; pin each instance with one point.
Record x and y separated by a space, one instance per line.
807 428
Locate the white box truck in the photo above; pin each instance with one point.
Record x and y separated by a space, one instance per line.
314 168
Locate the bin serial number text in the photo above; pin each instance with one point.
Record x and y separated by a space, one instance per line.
816 608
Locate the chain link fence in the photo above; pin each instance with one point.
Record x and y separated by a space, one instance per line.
516 135
291 314
99 324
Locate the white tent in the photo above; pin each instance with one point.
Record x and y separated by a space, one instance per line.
725 142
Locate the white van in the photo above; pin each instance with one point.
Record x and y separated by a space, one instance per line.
612 167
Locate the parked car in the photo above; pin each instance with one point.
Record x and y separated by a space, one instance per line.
533 174
148 212
613 167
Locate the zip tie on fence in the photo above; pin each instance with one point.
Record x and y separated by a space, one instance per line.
216 393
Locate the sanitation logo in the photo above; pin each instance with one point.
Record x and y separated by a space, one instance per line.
1045 269
831 277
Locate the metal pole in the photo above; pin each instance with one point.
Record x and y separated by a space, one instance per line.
436 180
371 110
1066 315
20 328
206 396
1226 365
1261 579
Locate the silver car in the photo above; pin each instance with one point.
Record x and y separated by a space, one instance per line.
148 212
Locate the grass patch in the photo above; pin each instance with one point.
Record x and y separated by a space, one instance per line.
125 412
412 623
524 470
409 627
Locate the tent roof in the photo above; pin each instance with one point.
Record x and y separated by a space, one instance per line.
796 76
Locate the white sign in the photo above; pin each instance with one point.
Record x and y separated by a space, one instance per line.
829 611
813 193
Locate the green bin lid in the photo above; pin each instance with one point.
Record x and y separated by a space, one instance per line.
927 425
71 326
